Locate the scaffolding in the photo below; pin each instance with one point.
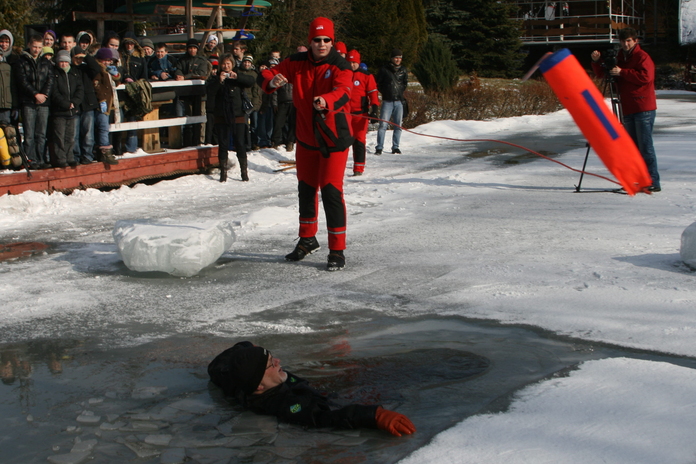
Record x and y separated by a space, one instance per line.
577 21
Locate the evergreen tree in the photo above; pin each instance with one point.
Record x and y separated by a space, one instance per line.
480 34
284 26
436 70
14 15
376 27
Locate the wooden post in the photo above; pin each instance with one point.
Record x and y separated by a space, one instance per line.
151 138
129 10
189 18
100 22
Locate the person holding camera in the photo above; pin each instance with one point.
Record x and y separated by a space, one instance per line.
634 72
230 118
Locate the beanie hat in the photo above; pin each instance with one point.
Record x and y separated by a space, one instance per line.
147 43
104 54
341 47
353 56
240 367
321 27
46 51
193 43
49 31
396 52
63 55
77 51
212 37
248 58
114 54
273 61
213 60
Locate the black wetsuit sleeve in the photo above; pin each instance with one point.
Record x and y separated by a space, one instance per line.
302 405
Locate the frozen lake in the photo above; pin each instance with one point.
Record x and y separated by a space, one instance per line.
474 274
153 402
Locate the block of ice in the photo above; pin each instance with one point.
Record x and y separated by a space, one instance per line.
688 246
178 249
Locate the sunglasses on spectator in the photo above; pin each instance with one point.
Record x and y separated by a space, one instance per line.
320 40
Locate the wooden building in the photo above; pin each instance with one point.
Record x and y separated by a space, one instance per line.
578 21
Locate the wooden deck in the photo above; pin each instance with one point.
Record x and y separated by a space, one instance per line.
128 171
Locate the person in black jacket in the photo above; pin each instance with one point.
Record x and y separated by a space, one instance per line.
35 79
255 378
193 66
229 113
84 123
66 99
392 80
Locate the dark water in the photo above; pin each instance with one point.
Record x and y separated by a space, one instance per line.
152 403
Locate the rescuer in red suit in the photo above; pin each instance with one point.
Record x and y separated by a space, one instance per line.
363 99
321 81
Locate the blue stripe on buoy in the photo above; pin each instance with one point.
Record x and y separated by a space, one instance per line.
600 114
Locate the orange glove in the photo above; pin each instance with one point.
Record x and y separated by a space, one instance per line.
393 422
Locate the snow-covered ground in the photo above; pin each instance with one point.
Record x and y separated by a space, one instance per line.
441 229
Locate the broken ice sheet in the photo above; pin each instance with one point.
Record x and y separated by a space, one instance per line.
175 248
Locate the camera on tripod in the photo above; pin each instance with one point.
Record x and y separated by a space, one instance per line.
609 59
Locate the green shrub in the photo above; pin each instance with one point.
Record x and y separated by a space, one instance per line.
436 70
479 99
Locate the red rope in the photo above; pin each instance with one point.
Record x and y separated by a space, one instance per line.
580 171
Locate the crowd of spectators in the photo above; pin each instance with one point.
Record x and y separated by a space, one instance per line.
62 91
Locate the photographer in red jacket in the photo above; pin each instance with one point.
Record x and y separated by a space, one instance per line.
635 77
321 81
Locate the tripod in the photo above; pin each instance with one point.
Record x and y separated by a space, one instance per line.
611 85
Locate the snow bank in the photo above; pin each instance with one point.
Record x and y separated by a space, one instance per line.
614 410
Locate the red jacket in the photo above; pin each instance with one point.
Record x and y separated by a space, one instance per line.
636 83
364 92
329 78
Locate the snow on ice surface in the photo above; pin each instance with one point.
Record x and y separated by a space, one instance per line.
174 248
433 231
620 411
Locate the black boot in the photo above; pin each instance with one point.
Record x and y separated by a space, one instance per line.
306 246
243 169
337 261
222 161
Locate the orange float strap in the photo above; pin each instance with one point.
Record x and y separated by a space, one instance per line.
605 134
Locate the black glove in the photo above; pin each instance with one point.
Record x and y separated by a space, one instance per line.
374 112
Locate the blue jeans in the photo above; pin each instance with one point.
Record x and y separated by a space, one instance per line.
391 111
84 136
131 135
264 127
102 130
640 126
35 124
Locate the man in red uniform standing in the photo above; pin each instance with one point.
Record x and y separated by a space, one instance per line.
363 99
321 81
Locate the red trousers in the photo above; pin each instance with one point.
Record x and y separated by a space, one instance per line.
359 126
316 173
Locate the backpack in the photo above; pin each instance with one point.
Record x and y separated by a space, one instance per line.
12 144
137 101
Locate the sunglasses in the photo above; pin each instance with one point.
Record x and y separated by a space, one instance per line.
270 361
320 40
